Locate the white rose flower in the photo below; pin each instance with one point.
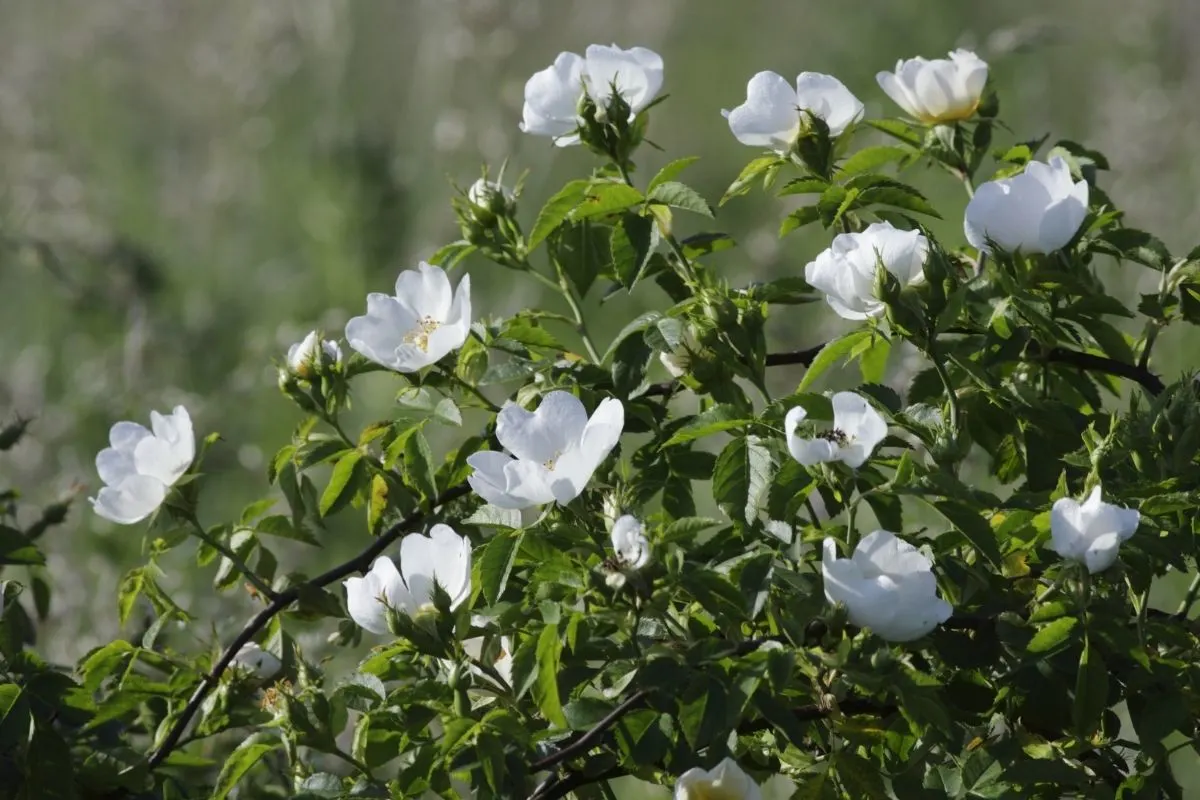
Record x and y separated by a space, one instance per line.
554 451
725 781
442 557
630 543
941 90
857 430
1090 532
141 465
302 356
1038 211
260 663
887 586
485 194
773 113
423 322
846 270
552 95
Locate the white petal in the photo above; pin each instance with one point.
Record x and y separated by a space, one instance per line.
810 452
1067 535
574 468
902 253
169 452
1101 552
262 663
859 420
544 434
124 436
551 97
115 466
424 292
136 498
365 596
895 89
442 556
828 98
769 117
637 74
506 482
884 553
630 542
725 781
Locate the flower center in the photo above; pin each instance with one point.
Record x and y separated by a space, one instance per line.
835 435
551 462
420 334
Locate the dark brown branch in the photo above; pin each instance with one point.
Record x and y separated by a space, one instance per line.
585 741
360 563
557 788
1097 363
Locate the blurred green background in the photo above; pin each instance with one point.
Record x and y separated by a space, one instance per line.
189 186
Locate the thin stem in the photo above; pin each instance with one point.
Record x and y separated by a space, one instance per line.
951 395
967 183
460 383
812 513
237 562
1189 599
352 761
564 288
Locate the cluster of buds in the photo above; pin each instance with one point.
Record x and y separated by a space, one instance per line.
487 217
306 376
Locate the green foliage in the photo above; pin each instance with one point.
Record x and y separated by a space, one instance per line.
571 661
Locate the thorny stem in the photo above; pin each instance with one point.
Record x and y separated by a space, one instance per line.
241 566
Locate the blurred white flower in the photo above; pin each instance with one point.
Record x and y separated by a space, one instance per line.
552 95
773 113
442 557
887 586
260 663
941 90
630 543
554 450
305 354
491 195
725 781
423 322
846 270
1038 211
1090 532
504 659
857 429
141 465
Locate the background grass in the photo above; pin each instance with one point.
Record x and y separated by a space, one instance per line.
189 186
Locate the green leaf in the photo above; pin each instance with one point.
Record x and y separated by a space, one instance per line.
860 777
835 350
722 417
103 662
873 361
897 195
1091 691
799 218
602 199
241 761
638 325
545 688
632 242
670 172
1052 635
679 195
556 210
128 591
703 244
583 250
282 526
808 185
716 594
898 129
975 528
630 360
15 548
742 477
749 174
419 468
496 564
872 158
342 482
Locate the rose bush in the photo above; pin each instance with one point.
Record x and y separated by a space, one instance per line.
648 566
